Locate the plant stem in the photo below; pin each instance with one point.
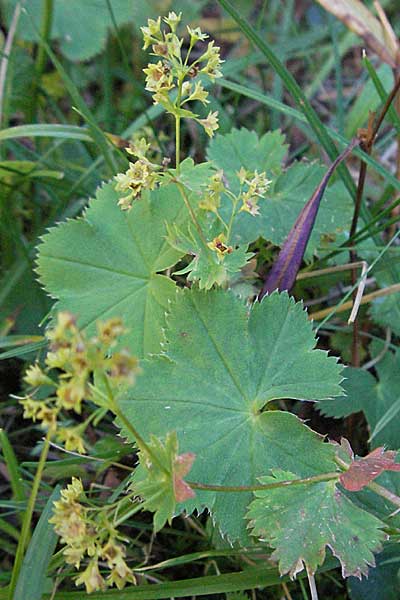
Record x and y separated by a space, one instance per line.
311 583
178 127
25 529
391 289
265 486
113 405
192 214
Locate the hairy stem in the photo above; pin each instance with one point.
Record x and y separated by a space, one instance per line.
265 486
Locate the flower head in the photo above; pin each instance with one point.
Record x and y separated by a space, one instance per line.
210 124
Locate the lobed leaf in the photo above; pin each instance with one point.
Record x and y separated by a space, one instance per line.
108 263
224 363
300 521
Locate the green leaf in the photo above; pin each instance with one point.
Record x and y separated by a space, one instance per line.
159 478
379 400
108 263
300 521
289 192
243 148
194 177
385 311
32 577
223 364
81 29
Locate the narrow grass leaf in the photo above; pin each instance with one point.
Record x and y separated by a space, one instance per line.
32 577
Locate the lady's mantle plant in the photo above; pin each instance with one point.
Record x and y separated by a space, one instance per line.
214 365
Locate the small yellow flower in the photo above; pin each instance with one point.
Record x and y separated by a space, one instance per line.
123 367
158 77
219 246
36 377
91 577
48 417
213 61
210 124
71 438
31 408
140 175
152 32
71 394
212 196
196 35
114 554
173 20
199 93
110 330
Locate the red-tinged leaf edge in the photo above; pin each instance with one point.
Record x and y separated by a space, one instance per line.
284 271
361 472
183 464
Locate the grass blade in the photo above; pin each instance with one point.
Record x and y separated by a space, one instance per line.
294 89
32 577
16 482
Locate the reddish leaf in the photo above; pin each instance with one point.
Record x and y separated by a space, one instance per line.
366 469
183 464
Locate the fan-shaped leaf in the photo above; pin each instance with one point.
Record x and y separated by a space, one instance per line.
221 367
299 521
108 262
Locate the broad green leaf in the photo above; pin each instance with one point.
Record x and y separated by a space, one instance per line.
379 400
223 364
108 263
80 28
32 577
289 192
299 521
243 148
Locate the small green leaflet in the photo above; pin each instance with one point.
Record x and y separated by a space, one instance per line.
223 363
206 267
160 483
107 263
299 521
379 400
290 190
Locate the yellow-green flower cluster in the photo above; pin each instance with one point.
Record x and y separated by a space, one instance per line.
257 185
141 175
174 69
211 199
88 533
75 358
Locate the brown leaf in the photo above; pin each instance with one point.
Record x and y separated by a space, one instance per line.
356 16
365 470
183 464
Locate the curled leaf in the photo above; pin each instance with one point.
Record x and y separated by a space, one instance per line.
365 470
284 271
